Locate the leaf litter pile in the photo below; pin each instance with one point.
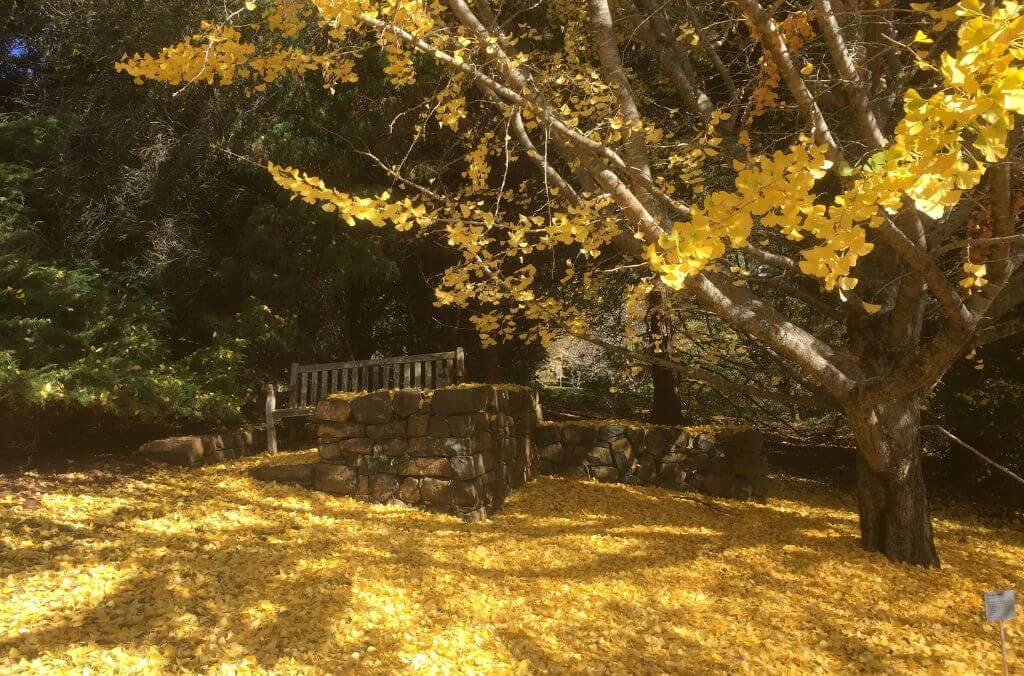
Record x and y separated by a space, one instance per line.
168 570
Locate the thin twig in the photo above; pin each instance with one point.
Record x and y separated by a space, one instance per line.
972 449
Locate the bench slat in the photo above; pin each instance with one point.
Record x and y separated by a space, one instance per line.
306 368
309 383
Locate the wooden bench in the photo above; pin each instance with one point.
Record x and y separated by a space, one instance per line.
309 383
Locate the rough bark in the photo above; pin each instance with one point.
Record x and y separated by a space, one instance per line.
665 405
894 516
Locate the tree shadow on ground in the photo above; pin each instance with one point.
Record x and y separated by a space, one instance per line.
212 568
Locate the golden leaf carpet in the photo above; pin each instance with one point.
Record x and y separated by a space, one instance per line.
169 570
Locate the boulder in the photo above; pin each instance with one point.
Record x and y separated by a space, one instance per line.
418 425
467 466
461 446
461 425
392 447
409 491
599 455
576 472
291 474
335 449
578 435
606 475
373 408
333 409
427 446
434 446
636 437
383 487
609 432
489 459
674 458
704 441
547 434
437 427
468 424
672 476
646 468
336 479
330 430
467 493
185 451
241 442
435 467
454 400
475 515
544 467
377 464
436 491
482 441
622 453
659 440
388 430
697 461
406 402
749 463
553 453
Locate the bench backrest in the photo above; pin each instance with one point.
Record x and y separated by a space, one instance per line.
312 382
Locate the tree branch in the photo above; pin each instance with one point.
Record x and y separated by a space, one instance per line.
705 377
972 449
863 115
922 263
744 311
999 332
776 48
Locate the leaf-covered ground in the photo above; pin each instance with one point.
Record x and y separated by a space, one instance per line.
209 570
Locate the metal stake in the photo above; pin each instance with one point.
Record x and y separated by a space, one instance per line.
1002 646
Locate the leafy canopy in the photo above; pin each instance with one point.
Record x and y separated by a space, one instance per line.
941 148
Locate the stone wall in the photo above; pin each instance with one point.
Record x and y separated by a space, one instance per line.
205 449
462 449
725 461
458 449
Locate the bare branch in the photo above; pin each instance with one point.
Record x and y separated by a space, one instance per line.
794 291
541 160
656 42
776 48
744 311
701 376
863 115
921 262
972 449
999 332
977 241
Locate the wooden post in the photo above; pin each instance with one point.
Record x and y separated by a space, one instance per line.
271 405
293 380
460 365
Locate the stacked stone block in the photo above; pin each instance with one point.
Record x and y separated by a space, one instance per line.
727 461
458 450
205 449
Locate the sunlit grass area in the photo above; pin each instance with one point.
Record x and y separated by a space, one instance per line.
209 570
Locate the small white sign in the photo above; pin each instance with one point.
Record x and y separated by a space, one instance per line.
1000 606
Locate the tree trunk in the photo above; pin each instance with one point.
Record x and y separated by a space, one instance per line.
665 408
665 404
894 517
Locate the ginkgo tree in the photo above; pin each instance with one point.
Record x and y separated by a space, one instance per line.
861 159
